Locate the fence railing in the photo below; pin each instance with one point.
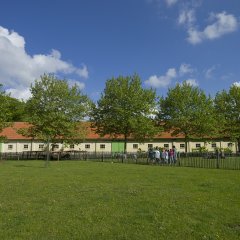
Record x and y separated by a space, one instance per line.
78 155
210 160
198 160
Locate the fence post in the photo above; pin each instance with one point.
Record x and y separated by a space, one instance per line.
217 152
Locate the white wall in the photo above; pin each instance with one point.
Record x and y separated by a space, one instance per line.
18 146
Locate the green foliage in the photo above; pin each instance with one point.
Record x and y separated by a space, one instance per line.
227 105
85 200
187 110
228 150
202 149
55 110
16 109
224 150
125 108
5 111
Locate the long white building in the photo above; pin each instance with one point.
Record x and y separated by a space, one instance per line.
15 142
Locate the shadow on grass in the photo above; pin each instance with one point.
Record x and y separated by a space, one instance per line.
23 166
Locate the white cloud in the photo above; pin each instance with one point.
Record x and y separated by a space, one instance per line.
20 93
171 2
72 82
194 37
18 69
158 2
237 84
172 73
224 24
13 37
82 72
185 69
192 82
162 81
209 72
187 17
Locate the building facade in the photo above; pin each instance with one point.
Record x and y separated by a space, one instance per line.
15 142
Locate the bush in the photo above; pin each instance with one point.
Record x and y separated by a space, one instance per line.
200 150
228 150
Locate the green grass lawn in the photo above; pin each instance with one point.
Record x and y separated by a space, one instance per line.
91 200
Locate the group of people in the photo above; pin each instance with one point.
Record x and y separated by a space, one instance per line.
163 156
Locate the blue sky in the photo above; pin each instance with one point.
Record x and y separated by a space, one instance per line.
89 41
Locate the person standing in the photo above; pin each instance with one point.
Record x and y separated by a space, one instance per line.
157 156
151 155
174 154
166 156
171 156
163 155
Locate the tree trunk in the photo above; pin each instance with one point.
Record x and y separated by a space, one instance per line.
186 142
48 153
31 145
125 144
238 144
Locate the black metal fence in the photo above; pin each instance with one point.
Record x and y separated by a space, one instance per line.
210 160
78 155
198 160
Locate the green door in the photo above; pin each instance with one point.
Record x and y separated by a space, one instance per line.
117 146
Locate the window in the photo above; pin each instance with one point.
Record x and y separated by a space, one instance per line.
56 146
182 145
41 146
166 145
135 146
230 145
214 145
87 146
150 145
10 147
25 146
198 145
102 146
71 146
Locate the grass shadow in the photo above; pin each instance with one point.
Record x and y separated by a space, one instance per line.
27 166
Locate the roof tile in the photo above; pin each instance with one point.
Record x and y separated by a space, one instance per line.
11 133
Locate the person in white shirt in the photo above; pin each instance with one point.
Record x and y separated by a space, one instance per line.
157 156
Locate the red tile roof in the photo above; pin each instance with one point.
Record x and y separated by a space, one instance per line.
11 133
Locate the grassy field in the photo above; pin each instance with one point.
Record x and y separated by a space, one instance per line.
90 200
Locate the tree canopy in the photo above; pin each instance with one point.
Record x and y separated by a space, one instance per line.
16 109
5 110
125 108
55 110
187 110
227 104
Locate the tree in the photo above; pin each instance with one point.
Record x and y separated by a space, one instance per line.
16 109
187 110
55 110
4 109
124 109
227 105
